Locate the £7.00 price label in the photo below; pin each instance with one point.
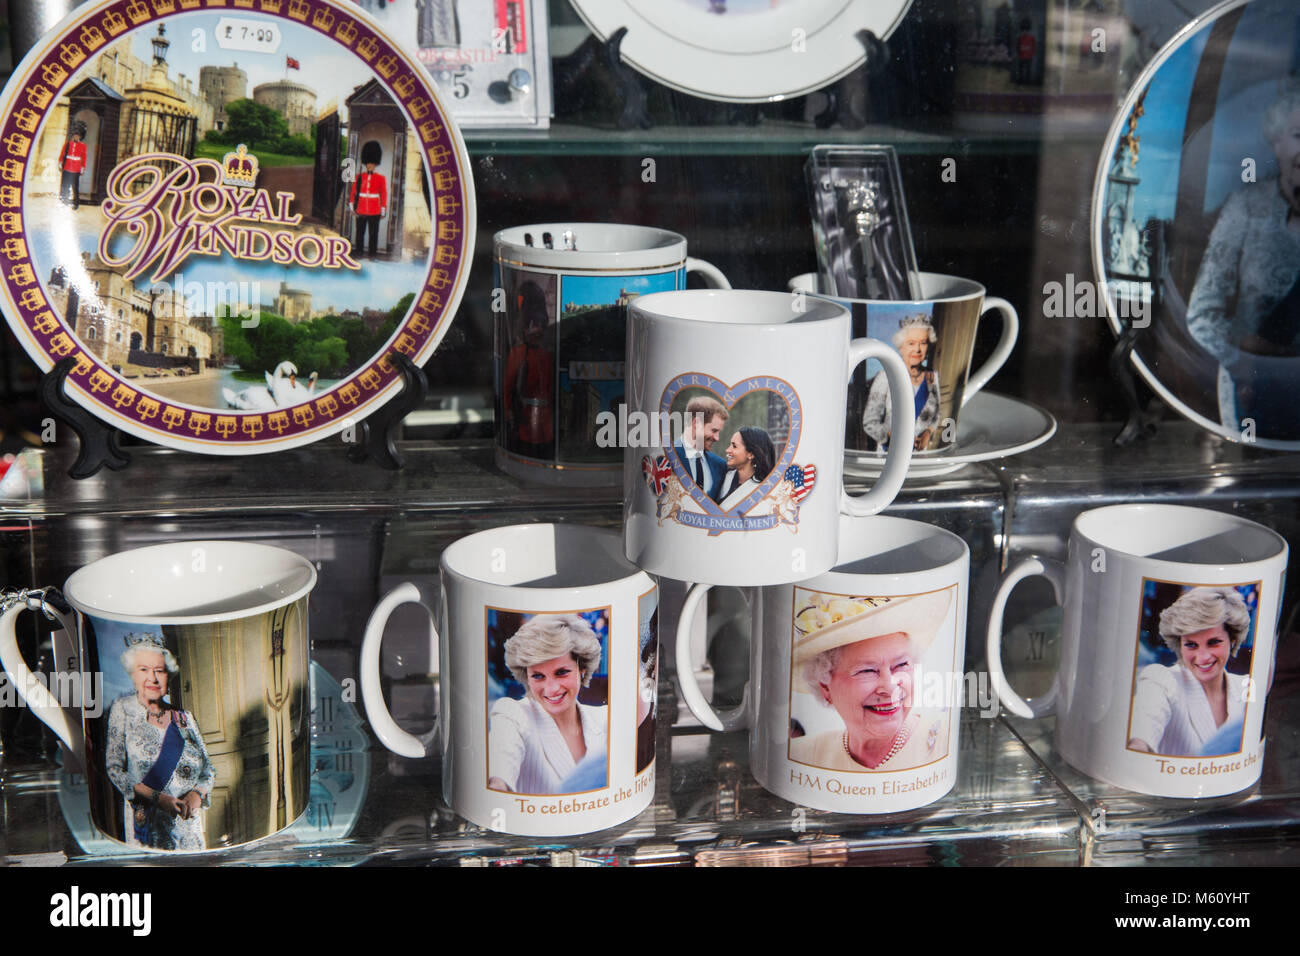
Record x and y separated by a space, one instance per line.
250 36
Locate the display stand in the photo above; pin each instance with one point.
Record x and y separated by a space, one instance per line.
375 437
850 97
99 443
576 73
1141 423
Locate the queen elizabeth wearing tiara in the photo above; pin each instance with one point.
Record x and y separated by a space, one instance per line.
155 754
913 339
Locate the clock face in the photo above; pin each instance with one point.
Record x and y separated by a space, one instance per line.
230 215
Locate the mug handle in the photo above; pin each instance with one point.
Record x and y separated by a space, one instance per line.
1054 571
401 742
30 688
902 428
738 717
1010 329
711 274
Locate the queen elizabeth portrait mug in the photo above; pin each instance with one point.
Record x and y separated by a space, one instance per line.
735 447
855 680
935 335
189 662
561 335
548 648
1167 647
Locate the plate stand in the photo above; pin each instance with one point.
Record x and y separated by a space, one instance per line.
577 84
1142 418
375 434
100 446
850 97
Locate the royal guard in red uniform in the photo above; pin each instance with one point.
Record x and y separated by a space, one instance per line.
528 381
72 161
369 199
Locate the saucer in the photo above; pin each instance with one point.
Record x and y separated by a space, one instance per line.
992 426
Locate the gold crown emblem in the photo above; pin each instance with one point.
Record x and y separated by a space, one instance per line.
404 85
27 119
12 170
92 37
239 168
323 19
18 144
347 32
162 7
387 66
38 96
368 48
271 6
11 222
189 4
298 9
114 23
71 54
53 74
246 4
137 12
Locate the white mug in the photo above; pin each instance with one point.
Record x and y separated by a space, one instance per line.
560 339
548 655
761 374
936 335
1167 647
855 675
192 663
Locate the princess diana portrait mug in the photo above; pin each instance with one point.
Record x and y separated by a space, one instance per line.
548 647
561 334
190 664
1167 647
935 335
855 682
732 472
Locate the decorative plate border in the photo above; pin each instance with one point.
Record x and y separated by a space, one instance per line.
43 76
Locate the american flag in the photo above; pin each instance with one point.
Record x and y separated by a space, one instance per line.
657 471
801 478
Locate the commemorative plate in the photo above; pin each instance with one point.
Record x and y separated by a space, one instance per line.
743 51
231 214
1196 222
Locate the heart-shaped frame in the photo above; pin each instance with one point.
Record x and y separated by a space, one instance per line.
729 396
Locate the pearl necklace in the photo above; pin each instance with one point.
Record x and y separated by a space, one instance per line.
899 740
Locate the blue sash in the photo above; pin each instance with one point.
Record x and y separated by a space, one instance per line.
922 396
169 755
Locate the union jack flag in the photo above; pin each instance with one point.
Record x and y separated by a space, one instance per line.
657 471
801 478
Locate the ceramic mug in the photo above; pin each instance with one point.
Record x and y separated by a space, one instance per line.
935 335
762 375
561 334
1167 647
548 645
189 665
855 675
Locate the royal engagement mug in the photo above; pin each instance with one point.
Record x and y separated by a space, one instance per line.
735 434
935 335
191 662
1167 647
561 335
855 681
548 646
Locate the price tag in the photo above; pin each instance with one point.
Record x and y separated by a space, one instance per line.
250 36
